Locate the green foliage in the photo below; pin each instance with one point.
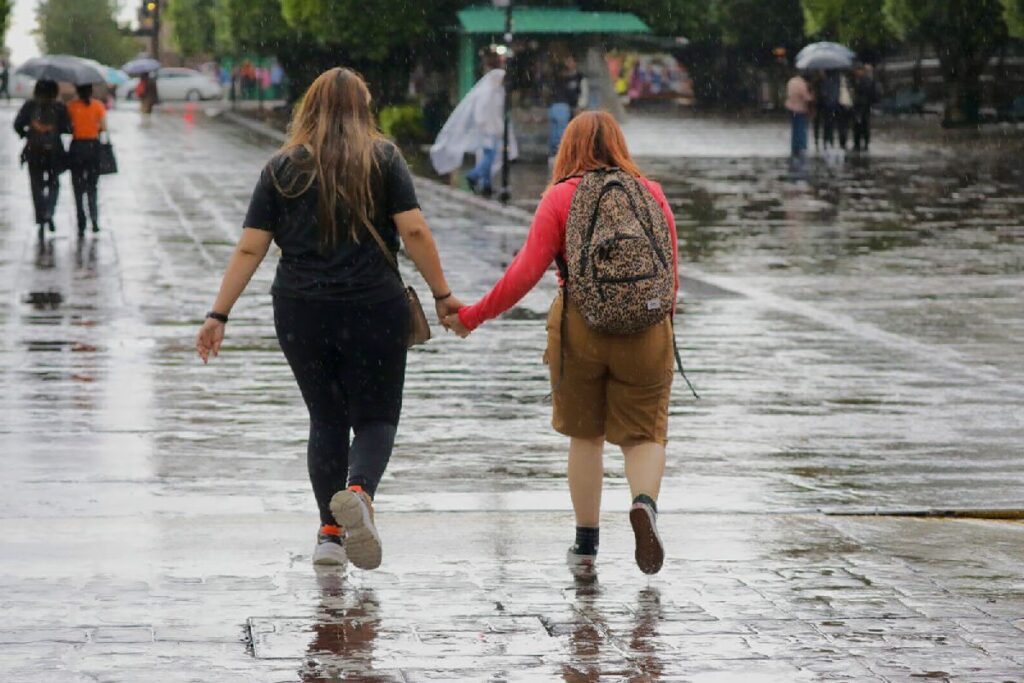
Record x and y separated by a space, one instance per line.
860 24
759 25
371 29
195 27
1015 17
403 123
965 34
5 13
85 28
692 19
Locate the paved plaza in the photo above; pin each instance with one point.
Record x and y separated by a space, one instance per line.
842 504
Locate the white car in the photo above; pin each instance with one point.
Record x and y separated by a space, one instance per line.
176 83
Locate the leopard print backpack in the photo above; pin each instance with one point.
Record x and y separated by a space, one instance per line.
618 265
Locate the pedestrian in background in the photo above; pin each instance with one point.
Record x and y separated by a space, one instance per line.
476 126
147 93
336 199
817 85
799 101
88 120
844 112
41 121
568 95
829 109
5 79
865 95
605 386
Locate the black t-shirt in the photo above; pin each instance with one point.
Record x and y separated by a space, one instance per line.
352 272
566 88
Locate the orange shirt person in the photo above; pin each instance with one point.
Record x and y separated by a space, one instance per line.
88 119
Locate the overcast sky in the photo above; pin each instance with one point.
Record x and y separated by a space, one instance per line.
19 34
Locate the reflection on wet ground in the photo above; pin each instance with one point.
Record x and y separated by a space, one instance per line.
854 334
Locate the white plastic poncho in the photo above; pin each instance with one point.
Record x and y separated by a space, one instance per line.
477 122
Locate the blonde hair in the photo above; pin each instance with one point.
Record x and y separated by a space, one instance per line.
333 125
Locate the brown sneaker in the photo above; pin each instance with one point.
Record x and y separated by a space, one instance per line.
650 554
353 510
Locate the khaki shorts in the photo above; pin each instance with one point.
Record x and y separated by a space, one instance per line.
616 386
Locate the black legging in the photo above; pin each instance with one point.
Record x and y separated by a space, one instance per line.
349 362
44 178
85 176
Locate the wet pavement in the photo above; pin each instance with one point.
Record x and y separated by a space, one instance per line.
854 333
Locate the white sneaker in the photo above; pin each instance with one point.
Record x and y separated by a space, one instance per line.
330 550
352 511
582 567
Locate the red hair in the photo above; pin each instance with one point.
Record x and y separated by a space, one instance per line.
592 140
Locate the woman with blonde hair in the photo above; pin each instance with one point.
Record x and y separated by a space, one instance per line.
610 339
336 199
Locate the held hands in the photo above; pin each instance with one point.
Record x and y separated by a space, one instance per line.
453 323
209 339
446 307
448 314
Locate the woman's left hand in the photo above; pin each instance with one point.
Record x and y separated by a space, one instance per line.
209 339
454 324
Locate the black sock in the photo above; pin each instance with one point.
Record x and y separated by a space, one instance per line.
587 539
647 500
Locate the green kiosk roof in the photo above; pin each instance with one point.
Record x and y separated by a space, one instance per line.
526 20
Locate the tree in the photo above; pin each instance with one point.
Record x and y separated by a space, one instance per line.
1015 17
195 26
757 26
859 24
5 13
85 28
965 35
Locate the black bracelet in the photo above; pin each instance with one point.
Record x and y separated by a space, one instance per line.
442 298
219 317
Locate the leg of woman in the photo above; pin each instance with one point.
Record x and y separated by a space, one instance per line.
303 330
79 185
52 194
38 181
638 401
586 479
374 383
374 376
645 466
92 188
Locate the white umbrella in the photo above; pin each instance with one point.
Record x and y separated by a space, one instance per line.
825 56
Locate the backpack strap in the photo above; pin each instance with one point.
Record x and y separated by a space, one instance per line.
679 364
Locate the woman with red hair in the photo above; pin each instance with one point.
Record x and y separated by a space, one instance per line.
599 218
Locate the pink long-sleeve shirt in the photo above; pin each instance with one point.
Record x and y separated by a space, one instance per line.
546 240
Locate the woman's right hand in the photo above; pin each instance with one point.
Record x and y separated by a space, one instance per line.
209 339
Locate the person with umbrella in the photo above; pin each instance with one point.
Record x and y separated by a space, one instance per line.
865 94
41 121
835 96
5 78
88 120
146 91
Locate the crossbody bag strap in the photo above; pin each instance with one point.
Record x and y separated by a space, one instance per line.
384 248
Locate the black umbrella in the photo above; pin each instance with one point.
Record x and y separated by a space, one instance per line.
63 69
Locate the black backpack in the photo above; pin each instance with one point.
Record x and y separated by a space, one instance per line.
44 143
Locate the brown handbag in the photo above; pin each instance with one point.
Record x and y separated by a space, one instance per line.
419 328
